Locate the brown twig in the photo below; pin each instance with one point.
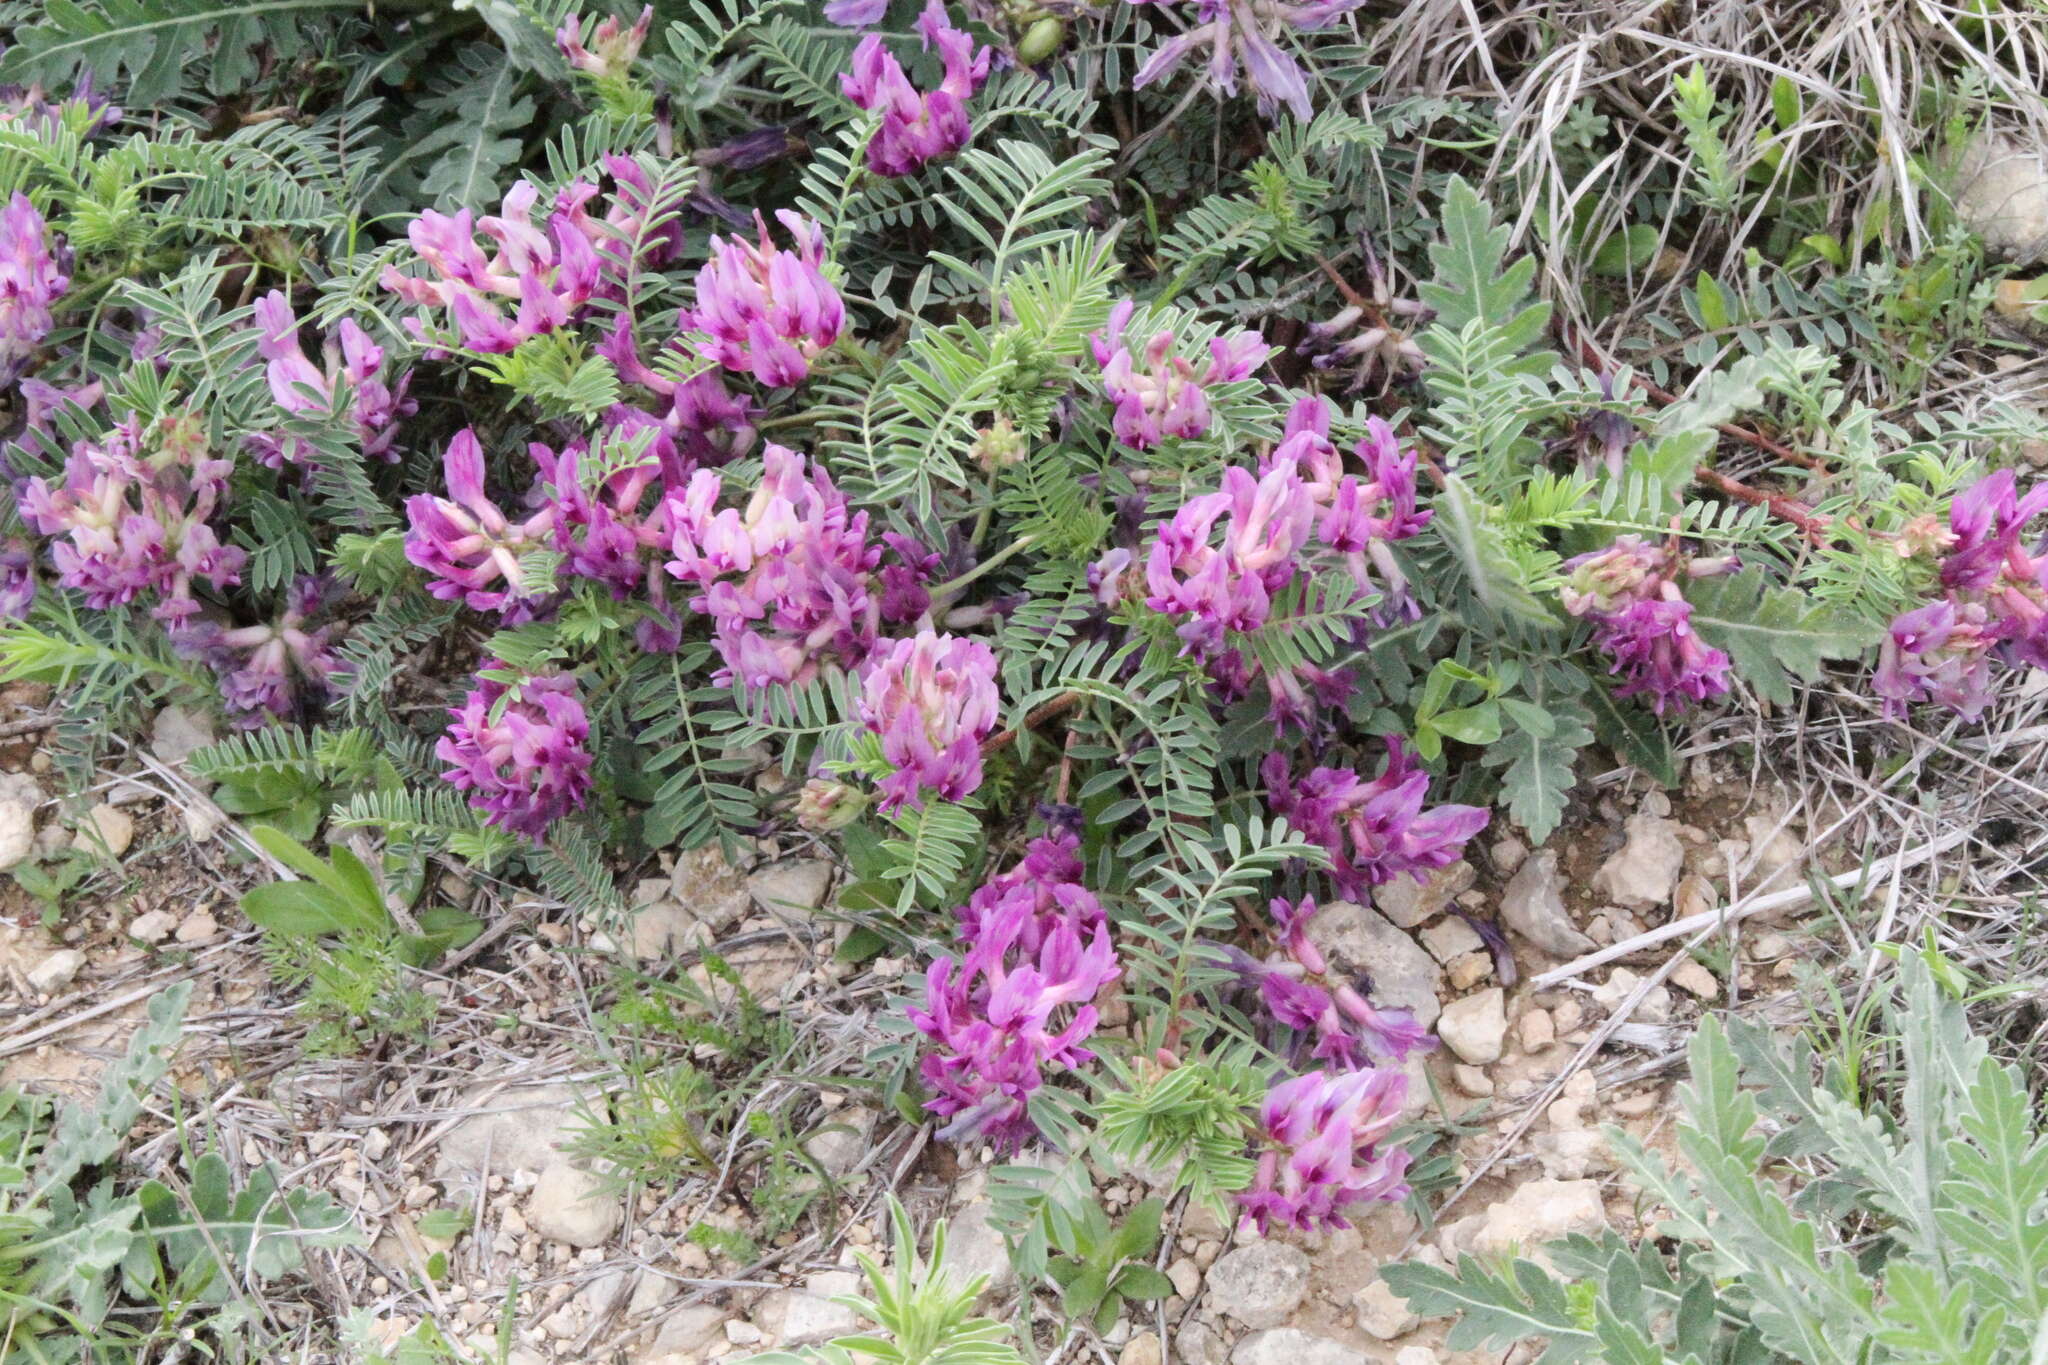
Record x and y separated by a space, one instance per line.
1785 509
1058 706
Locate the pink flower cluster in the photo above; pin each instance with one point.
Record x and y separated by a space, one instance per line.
299 386
612 49
916 128
932 699
469 547
1158 393
785 580
709 424
1373 830
1293 984
766 311
521 753
17 579
1234 29
133 512
264 667
1643 622
1993 603
32 277
1324 1150
1037 951
1301 496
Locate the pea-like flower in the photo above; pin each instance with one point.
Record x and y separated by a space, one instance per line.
1940 653
468 545
1294 985
915 127
612 46
522 753
132 512
1234 30
1643 622
265 669
1017 1003
546 274
785 580
32 277
1229 587
1323 1151
767 311
17 579
1159 393
352 362
610 513
932 699
1375 830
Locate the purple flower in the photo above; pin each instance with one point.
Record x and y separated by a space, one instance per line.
17 579
1940 653
529 766
1323 1149
916 128
298 386
263 667
932 699
1294 986
1265 523
1643 623
29 111
607 531
768 312
546 275
856 13
786 580
31 279
468 545
135 522
709 424
1373 830
1016 1005
1244 29
612 48
1162 395
1363 517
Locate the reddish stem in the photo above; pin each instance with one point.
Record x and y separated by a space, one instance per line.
1058 706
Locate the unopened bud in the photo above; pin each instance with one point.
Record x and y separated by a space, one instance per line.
998 445
825 805
1041 40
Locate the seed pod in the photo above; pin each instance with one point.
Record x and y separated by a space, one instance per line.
1041 40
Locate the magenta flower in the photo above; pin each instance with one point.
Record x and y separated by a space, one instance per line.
1643 623
786 580
1162 395
1008 1012
528 767
31 279
1229 587
612 47
916 128
263 668
1364 517
1293 984
605 532
1940 653
932 699
546 275
468 545
17 579
768 312
1234 30
298 386
709 424
1373 830
29 111
135 522
1045 886
856 13
1323 1149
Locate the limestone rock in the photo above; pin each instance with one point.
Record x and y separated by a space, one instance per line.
1357 940
569 1204
1533 906
662 927
1291 1346
684 1334
1475 1026
19 797
1199 1344
107 829
56 971
791 889
974 1247
1260 1285
709 888
811 1317
1541 1211
516 1129
1381 1312
176 734
1142 1349
1408 902
153 927
1642 874
2001 194
1451 939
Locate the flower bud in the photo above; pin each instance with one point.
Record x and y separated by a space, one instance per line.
1041 40
825 805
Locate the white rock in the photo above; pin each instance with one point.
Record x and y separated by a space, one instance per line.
203 820
1541 1211
1383 1313
1260 1285
1508 853
1775 849
1642 873
107 828
1472 1081
1291 1346
1538 1030
740 1332
17 828
841 1143
571 1205
197 927
709 888
1533 906
1475 1026
1693 978
1451 939
1415 1355
176 734
1186 1277
684 1334
810 1317
56 971
1574 1154
1142 1349
1198 1344
2001 189
1408 902
153 927
518 1129
791 889
663 927
1357 940
974 1247
1621 984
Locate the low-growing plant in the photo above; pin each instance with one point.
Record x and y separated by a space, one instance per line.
1809 1219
